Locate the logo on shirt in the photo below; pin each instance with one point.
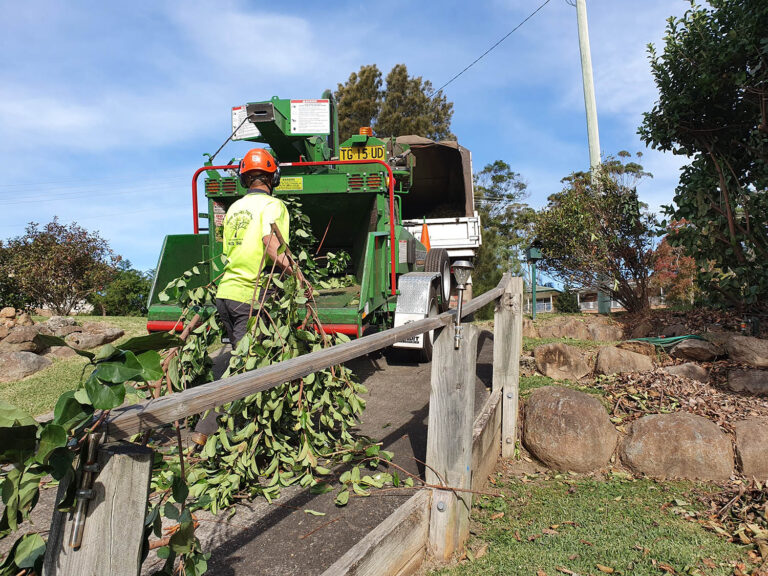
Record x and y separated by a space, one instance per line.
236 224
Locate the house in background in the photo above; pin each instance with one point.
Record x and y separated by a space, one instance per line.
588 297
545 299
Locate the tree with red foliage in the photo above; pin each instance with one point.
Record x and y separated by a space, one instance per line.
674 272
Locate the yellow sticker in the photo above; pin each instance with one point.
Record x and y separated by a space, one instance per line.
363 153
291 183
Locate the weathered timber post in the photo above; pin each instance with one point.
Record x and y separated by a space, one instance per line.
507 342
114 526
449 439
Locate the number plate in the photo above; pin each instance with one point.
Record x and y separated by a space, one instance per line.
363 153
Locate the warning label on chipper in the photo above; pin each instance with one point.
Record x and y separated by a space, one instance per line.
310 117
246 129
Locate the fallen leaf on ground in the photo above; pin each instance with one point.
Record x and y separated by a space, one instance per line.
497 516
667 568
541 573
482 551
586 542
605 569
550 532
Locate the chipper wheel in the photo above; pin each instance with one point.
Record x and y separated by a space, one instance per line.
438 261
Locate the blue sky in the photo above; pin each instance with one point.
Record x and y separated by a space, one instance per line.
107 107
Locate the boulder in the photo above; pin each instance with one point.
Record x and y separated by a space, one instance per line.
565 328
567 429
644 348
748 350
679 445
605 332
59 352
93 334
752 447
24 319
688 370
44 312
62 325
751 381
527 365
694 349
529 329
561 362
676 330
4 331
18 365
22 339
643 329
612 360
8 312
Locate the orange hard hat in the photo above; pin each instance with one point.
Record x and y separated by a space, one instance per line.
258 159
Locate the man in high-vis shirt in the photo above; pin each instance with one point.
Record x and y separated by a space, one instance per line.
249 242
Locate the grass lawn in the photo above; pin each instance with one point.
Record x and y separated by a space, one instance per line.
561 524
37 394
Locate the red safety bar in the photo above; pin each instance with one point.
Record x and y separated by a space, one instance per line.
323 163
199 171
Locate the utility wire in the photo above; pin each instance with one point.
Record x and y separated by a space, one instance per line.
484 54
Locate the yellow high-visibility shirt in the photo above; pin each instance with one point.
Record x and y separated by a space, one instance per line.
247 222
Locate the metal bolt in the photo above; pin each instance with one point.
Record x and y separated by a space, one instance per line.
508 440
441 506
510 395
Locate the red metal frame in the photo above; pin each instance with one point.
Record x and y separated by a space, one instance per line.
348 329
324 163
199 171
164 326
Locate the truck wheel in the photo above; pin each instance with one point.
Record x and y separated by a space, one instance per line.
438 261
425 354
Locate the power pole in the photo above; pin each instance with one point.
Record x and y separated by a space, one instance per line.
589 85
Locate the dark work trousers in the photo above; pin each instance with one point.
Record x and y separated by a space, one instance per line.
234 315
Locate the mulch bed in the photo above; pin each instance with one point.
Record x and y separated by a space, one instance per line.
631 396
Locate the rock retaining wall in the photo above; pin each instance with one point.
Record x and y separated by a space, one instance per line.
566 429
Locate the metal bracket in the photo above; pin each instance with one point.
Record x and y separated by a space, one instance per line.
85 492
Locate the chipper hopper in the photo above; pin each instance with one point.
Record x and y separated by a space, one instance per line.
354 195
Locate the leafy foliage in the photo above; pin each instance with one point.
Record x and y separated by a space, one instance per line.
359 100
712 79
58 265
596 232
567 302
505 226
11 293
126 295
403 107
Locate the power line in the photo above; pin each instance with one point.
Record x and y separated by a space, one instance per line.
484 54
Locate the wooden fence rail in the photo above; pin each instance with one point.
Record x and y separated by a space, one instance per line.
129 420
451 448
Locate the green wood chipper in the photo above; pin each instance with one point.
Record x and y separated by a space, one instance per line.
368 196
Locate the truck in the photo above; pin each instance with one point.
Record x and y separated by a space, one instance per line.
367 195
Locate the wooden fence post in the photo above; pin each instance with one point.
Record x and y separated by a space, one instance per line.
114 527
449 439
507 342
